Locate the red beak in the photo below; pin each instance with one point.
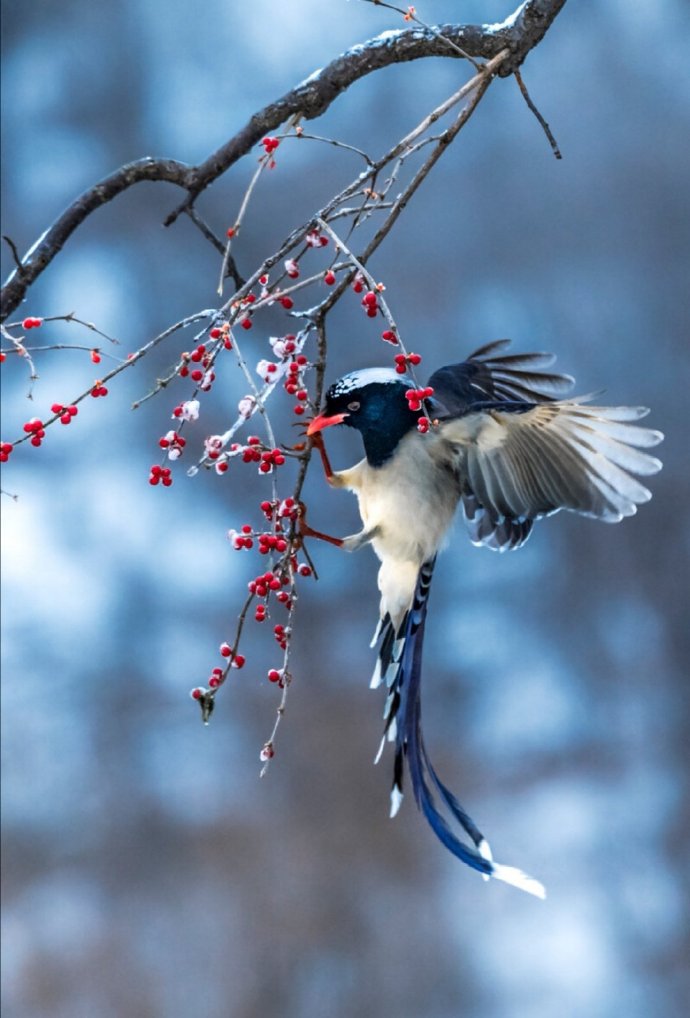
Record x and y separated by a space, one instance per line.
321 422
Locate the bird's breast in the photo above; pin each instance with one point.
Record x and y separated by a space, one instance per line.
410 501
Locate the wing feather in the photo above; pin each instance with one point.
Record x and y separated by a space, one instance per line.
489 374
519 462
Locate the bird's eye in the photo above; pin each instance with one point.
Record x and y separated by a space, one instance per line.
354 406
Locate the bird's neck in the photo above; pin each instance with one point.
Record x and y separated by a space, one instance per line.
381 441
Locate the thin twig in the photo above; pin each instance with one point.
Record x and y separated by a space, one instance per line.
231 267
15 254
545 127
235 228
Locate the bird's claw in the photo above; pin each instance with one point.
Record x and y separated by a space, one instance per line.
304 530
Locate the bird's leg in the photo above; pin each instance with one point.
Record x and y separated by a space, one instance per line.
306 531
352 543
318 443
356 541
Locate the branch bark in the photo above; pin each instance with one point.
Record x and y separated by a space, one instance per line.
520 33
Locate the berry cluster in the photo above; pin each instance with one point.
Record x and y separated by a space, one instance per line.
294 384
272 542
237 660
222 332
243 539
266 582
36 429
370 303
174 444
253 452
388 336
5 451
187 411
203 374
415 397
65 413
32 323
281 634
403 359
160 475
270 145
99 390
316 239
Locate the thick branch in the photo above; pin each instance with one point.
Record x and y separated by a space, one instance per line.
519 34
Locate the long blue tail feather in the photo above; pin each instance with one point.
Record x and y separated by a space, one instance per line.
400 663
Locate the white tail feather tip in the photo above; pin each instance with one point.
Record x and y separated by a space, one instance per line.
484 850
376 677
515 877
396 800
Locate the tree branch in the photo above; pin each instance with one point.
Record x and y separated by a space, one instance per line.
519 33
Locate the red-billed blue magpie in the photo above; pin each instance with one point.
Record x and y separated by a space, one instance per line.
499 438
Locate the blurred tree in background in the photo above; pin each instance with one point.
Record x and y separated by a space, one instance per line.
145 871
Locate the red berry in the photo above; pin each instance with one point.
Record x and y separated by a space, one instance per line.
329 278
390 337
215 333
225 650
246 323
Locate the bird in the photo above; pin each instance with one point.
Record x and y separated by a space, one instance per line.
496 436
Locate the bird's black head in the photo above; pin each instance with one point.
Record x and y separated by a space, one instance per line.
373 401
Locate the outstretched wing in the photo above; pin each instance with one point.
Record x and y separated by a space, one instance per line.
493 376
520 461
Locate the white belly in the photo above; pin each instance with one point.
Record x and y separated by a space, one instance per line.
411 504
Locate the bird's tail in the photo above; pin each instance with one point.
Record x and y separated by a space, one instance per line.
400 666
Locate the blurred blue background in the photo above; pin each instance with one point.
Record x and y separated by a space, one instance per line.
147 871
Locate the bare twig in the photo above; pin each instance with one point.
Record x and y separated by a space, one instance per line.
545 127
207 232
15 254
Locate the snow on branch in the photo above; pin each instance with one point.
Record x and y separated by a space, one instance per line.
514 37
